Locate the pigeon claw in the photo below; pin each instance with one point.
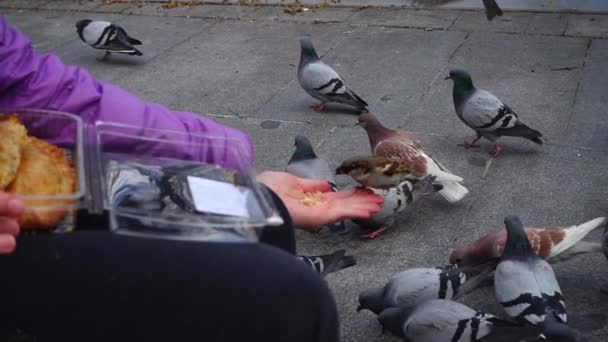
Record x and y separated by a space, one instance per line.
373 234
496 151
318 108
470 144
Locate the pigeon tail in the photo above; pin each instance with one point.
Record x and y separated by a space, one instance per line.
453 191
338 261
134 41
492 9
576 233
325 264
521 130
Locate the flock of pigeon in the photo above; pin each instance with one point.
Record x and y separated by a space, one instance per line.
417 304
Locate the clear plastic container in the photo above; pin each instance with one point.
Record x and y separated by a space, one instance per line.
169 184
65 131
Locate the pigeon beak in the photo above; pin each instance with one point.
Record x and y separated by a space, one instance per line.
357 124
383 331
447 78
359 308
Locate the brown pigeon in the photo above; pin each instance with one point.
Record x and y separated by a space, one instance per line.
404 147
554 244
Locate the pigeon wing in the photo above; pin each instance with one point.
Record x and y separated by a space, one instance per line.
484 112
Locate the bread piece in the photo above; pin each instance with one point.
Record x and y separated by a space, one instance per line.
44 170
13 135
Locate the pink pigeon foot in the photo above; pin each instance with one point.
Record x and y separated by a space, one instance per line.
496 151
318 108
471 143
373 234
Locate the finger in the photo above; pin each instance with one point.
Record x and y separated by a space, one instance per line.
357 195
7 243
9 226
312 185
10 205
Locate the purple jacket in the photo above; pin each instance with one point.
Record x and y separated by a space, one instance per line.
42 81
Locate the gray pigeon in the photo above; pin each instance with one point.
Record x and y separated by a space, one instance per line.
439 320
304 163
325 264
414 286
525 284
486 114
106 36
396 199
322 82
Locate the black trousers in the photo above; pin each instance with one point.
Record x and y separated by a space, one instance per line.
98 286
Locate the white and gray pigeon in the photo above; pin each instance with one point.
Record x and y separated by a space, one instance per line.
322 82
106 36
329 263
305 163
439 320
486 114
524 284
414 286
396 200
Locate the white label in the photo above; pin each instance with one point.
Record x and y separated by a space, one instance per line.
218 197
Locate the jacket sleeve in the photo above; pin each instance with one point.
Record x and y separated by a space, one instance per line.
42 81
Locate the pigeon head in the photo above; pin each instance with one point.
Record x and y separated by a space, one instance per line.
303 150
81 24
476 252
376 132
372 300
308 50
517 239
392 319
556 330
460 76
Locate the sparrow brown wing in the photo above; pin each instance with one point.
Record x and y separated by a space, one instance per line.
13 135
409 155
44 170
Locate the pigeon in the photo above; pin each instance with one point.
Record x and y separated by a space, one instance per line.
403 146
396 199
524 284
304 163
486 114
375 171
322 82
439 320
106 36
553 244
491 7
414 286
325 264
605 242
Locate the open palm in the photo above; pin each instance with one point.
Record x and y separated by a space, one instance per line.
330 207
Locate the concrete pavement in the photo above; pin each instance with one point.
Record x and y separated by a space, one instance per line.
237 64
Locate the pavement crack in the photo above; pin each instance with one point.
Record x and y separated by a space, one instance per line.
578 85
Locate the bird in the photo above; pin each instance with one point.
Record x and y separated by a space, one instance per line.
329 263
524 284
106 36
322 82
553 244
492 9
438 320
375 171
418 163
486 114
305 163
396 199
416 285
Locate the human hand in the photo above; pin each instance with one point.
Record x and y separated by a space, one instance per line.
332 207
10 209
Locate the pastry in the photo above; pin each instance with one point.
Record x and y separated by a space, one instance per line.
13 135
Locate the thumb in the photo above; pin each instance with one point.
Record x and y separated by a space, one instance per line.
10 205
312 185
